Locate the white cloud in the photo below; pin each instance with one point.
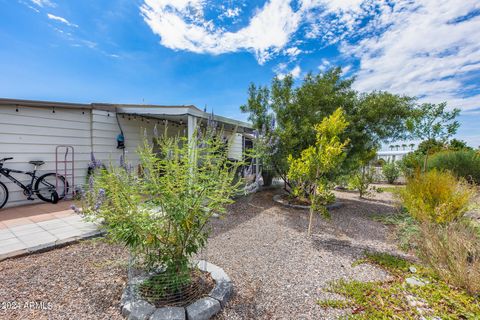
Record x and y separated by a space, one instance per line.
292 51
232 13
424 48
181 25
62 20
423 52
282 72
43 3
346 69
324 65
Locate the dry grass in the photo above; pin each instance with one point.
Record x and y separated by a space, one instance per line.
453 251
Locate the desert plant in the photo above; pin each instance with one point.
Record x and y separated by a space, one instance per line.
162 214
436 196
453 252
391 172
463 163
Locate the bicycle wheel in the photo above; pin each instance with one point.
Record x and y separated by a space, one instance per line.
3 195
46 186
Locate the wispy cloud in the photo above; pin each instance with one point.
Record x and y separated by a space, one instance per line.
423 51
324 65
231 12
62 20
43 3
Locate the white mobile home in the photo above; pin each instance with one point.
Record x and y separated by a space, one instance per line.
32 130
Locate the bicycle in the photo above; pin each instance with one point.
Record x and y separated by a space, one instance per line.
44 187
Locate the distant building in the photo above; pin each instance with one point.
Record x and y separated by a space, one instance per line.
391 156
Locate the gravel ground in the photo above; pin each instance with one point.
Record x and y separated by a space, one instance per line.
278 272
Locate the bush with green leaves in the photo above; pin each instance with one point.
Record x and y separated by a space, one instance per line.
309 172
411 164
463 163
361 180
161 213
391 172
436 196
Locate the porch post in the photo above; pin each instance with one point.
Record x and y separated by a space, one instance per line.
191 126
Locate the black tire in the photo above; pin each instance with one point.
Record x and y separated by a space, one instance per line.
45 187
3 195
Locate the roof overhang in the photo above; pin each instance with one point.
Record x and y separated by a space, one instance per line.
156 111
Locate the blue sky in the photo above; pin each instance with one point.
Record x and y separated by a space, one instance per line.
207 52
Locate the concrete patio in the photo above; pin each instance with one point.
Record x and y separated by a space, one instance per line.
32 228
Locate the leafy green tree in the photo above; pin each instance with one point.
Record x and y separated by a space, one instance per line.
457 145
432 122
258 108
374 118
430 146
310 170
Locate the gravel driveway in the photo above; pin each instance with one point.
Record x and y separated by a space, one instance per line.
279 273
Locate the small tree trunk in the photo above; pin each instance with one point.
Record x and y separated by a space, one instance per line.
425 161
310 222
311 212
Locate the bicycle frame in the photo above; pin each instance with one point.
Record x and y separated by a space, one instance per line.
6 172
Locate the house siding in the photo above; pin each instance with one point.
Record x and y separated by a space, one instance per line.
33 133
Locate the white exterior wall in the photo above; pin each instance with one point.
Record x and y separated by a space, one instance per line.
33 133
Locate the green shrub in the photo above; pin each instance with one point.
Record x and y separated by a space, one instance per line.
411 163
436 196
453 252
391 172
361 179
463 163
379 162
161 214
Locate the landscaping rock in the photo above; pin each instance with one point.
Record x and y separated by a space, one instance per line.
217 273
169 313
412 269
127 296
414 282
139 310
222 292
203 309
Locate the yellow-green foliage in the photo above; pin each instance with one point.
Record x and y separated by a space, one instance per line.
436 196
309 170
